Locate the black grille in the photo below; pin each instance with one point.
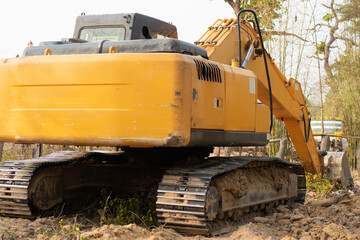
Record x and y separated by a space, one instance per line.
208 71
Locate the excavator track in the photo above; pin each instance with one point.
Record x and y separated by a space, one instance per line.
197 199
15 178
33 186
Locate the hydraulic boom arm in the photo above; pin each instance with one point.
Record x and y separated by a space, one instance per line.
289 105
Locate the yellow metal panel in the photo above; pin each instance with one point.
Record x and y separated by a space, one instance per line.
284 103
306 150
224 52
262 118
226 48
295 89
208 101
240 100
229 105
103 99
288 102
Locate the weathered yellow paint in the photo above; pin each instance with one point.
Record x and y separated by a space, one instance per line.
262 118
138 100
229 105
103 99
305 150
226 49
240 102
221 44
204 113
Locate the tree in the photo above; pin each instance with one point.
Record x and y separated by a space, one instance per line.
267 11
337 15
342 67
343 23
344 100
346 85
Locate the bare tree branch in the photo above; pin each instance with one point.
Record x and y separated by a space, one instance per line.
351 41
316 57
327 6
282 33
332 39
321 25
235 5
231 3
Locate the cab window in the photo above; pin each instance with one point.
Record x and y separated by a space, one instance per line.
98 34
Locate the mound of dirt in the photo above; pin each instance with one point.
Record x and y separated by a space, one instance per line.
129 232
334 218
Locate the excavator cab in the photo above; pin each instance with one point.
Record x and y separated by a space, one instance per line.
119 33
124 26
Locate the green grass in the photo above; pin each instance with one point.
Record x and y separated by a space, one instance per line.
139 209
322 186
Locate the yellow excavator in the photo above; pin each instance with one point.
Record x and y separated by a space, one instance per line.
125 80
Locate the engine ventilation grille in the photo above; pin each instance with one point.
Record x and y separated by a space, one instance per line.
208 71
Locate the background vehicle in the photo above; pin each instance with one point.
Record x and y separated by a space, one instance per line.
332 126
124 80
336 163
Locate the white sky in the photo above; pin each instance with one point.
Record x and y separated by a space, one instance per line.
48 20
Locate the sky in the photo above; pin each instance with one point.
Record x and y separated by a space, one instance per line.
49 20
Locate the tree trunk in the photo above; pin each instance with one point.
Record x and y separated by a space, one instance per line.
332 30
235 5
282 150
37 151
358 158
325 143
1 150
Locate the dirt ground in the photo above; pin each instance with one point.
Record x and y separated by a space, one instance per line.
335 217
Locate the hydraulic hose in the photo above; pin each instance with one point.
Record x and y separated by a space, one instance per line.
306 128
